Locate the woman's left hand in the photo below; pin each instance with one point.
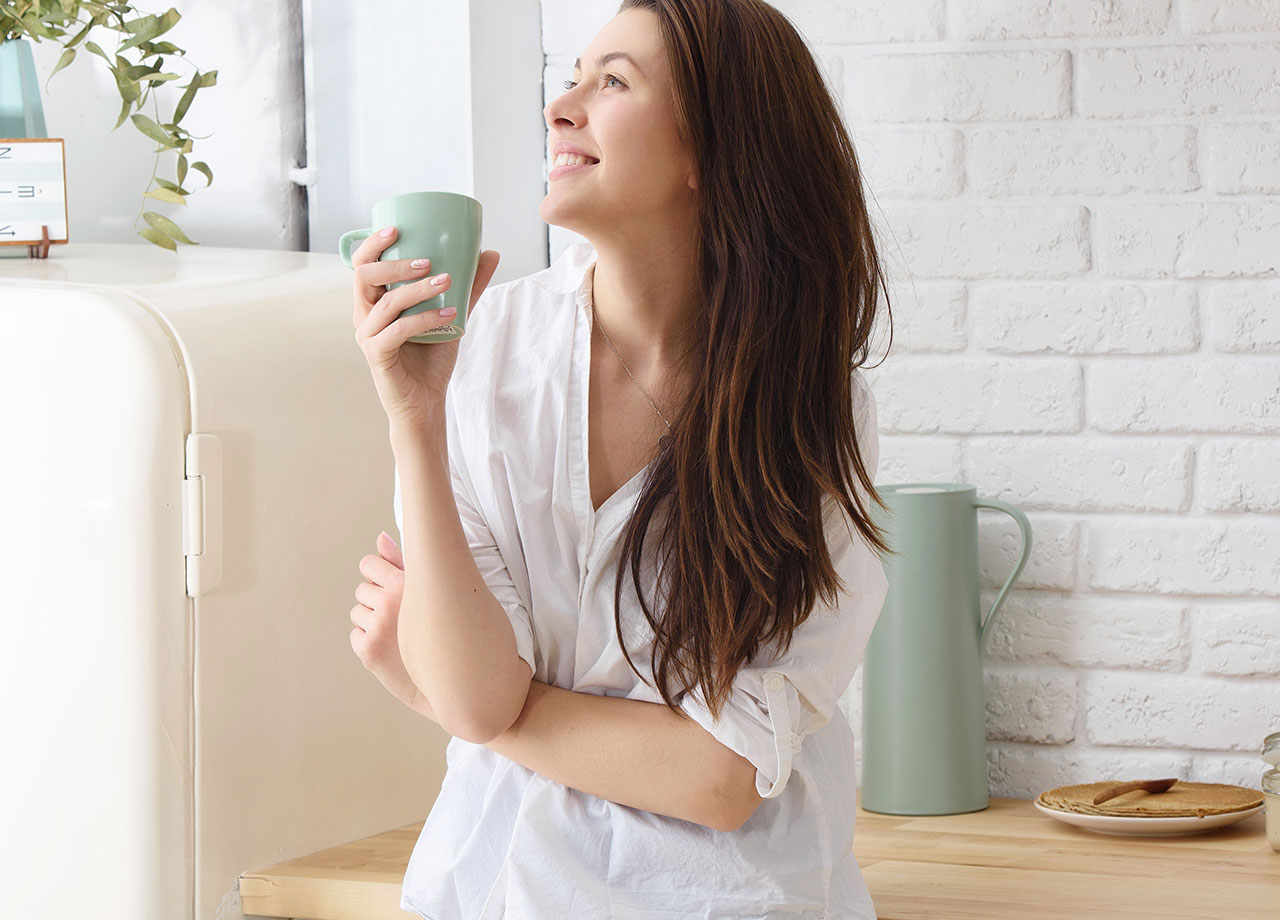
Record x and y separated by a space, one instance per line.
376 616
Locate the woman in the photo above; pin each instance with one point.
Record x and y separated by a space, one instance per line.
689 376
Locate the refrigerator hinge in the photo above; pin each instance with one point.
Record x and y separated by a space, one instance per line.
202 513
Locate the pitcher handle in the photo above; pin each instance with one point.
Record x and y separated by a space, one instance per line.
1023 525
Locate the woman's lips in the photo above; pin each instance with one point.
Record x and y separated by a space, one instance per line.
559 171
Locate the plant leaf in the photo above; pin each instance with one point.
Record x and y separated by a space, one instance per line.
93 46
163 194
165 183
82 33
155 236
36 28
204 169
169 20
134 26
128 89
67 57
166 226
182 169
185 102
152 130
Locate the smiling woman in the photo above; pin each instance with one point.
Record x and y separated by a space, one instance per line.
679 399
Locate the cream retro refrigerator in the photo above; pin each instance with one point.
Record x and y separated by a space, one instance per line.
193 459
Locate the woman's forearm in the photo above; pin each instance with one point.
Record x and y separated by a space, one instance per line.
631 752
455 639
422 706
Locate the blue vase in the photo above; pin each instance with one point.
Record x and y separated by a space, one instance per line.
21 114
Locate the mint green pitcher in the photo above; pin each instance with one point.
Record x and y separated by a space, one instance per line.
924 736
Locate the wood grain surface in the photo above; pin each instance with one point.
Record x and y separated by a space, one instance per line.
1008 862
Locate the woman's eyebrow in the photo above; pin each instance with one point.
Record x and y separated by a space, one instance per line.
606 58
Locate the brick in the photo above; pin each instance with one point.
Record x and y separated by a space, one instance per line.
1239 770
1055 547
1215 240
839 22
1244 316
1152 80
1178 556
938 395
1229 395
1031 705
1239 475
1209 16
1107 474
1244 159
927 317
958 86
1033 628
1083 158
982 20
986 241
1023 771
1082 318
910 162
1239 641
918 459
1148 710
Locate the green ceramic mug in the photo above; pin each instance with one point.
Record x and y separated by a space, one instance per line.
441 226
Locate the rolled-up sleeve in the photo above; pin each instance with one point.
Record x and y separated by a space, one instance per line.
777 701
488 559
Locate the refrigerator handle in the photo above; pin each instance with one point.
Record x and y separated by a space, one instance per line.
202 513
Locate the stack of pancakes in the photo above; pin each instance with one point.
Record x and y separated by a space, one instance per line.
1182 800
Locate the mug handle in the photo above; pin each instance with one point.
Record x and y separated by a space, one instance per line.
1023 525
349 241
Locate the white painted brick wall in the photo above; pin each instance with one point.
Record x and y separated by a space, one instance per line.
1079 207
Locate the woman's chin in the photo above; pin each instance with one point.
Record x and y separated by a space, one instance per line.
563 217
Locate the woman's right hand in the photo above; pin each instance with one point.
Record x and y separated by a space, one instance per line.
410 377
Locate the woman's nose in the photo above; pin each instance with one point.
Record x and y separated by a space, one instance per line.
557 109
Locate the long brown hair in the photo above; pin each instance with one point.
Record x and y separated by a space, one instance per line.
788 274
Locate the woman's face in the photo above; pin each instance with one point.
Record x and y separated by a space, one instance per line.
619 112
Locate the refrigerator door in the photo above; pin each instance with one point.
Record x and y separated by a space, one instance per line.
193 460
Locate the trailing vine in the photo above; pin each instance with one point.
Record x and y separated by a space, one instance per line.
53 20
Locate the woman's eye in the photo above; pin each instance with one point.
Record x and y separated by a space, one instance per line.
570 84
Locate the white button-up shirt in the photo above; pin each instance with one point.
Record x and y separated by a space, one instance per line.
504 841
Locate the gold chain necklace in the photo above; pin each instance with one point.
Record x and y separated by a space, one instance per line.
628 370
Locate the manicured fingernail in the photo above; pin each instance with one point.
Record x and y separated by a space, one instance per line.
440 279
448 311
387 231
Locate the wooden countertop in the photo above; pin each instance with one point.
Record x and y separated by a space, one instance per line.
1008 862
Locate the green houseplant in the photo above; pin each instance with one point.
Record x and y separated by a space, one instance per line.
54 20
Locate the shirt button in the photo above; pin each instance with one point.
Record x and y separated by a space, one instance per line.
773 682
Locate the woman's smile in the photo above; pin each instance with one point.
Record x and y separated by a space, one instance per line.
559 171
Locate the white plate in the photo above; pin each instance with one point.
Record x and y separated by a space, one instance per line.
1147 827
